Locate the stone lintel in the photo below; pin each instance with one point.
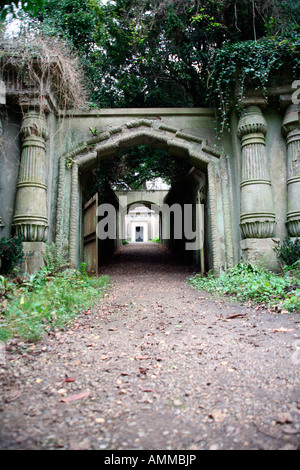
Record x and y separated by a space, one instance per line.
152 113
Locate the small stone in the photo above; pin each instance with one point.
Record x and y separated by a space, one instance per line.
83 445
218 416
177 402
214 447
99 420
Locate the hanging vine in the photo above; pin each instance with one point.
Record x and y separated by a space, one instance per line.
237 68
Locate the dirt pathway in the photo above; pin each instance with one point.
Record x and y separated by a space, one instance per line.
158 366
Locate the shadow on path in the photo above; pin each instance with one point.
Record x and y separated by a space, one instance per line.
145 258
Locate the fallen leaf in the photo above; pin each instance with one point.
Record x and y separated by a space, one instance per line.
284 418
14 395
237 315
283 330
103 358
68 379
78 396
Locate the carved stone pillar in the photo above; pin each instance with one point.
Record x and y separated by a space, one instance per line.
2 103
30 219
257 218
291 129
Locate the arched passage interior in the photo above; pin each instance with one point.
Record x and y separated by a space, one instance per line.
206 169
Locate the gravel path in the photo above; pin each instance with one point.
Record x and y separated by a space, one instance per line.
157 365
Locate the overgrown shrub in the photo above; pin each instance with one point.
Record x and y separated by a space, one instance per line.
11 253
288 253
45 303
54 259
245 282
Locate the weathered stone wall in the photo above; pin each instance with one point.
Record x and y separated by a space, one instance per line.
187 138
9 166
252 179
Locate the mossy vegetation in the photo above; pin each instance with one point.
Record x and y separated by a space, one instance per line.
248 283
45 302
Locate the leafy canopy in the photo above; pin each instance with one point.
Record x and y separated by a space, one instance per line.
169 53
132 168
28 6
153 53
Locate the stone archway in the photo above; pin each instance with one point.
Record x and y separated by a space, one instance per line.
151 201
178 144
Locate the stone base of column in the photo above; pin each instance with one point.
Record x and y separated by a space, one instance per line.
34 260
260 252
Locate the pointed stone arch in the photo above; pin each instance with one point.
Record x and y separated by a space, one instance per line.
178 144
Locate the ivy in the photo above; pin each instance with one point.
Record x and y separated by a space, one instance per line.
28 6
238 67
155 53
11 253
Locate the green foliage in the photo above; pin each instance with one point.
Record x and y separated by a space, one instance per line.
256 64
5 286
45 303
28 6
54 259
248 283
83 269
11 253
132 168
155 53
71 20
292 303
288 253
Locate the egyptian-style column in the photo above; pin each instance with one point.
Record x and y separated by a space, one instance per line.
291 129
257 218
30 219
2 103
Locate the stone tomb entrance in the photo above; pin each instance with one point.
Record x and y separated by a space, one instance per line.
207 180
250 187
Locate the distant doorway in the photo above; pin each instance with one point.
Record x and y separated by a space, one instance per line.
139 234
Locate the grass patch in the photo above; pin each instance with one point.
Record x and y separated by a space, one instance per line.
245 283
30 308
